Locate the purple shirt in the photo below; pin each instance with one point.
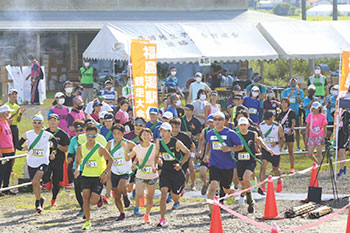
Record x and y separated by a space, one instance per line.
132 137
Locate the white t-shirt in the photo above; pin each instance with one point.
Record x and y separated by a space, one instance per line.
40 153
120 166
105 107
272 137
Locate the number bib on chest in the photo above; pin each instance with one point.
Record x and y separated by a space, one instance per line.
217 145
91 164
252 110
286 130
292 100
316 129
167 157
38 152
269 140
118 162
147 169
243 156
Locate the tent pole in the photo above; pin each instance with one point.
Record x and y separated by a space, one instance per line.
311 65
262 68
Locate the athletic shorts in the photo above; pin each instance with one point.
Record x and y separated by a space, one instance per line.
132 177
330 129
224 176
274 160
116 178
289 138
92 183
32 170
204 164
147 181
185 166
242 167
175 181
343 141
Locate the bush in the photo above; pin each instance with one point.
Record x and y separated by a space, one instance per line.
284 9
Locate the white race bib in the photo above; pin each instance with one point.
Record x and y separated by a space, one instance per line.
269 140
316 129
91 164
217 145
166 156
252 110
38 152
118 162
292 100
147 169
243 156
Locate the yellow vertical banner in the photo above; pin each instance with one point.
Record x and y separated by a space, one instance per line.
144 74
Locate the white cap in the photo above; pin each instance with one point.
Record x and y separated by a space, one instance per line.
12 90
220 114
168 115
102 114
59 94
166 126
312 87
38 117
5 108
335 87
316 105
198 74
243 120
255 88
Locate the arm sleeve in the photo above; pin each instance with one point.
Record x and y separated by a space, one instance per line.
54 143
20 143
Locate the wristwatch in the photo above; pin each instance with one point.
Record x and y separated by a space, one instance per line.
105 172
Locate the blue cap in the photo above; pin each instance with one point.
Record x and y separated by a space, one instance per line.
210 118
100 94
153 110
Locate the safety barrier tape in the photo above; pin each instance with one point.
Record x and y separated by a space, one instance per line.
13 157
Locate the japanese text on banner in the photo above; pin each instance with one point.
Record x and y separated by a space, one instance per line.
144 72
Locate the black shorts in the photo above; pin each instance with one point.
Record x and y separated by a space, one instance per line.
116 178
92 183
241 167
185 166
330 129
204 164
132 177
289 138
175 181
274 160
32 170
343 141
15 134
224 176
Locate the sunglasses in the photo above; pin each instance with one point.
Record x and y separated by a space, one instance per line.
37 122
139 125
90 136
218 119
79 130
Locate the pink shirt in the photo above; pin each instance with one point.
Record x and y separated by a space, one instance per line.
122 116
318 122
6 144
140 155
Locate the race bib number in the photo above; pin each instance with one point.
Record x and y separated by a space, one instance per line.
292 100
286 130
252 110
91 164
38 152
147 169
243 156
269 140
118 162
316 129
167 157
217 146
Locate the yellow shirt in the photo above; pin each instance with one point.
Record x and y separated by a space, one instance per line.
96 164
15 107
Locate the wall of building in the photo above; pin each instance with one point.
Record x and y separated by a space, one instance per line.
123 5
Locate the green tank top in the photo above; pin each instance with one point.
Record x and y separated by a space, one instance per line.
87 76
319 84
96 164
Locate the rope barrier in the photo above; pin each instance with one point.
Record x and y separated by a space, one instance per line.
13 157
16 186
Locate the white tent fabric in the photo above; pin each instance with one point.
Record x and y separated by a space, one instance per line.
301 40
326 10
342 28
230 41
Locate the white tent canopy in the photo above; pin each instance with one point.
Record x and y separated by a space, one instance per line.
343 28
230 41
301 40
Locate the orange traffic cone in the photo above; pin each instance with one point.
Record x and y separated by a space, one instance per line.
274 228
313 178
142 201
65 175
270 203
215 222
348 225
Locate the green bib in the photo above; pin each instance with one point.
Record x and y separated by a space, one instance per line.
87 76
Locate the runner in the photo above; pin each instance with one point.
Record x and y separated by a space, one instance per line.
343 141
172 177
146 174
204 166
121 168
38 141
106 129
91 159
154 122
273 136
167 116
246 160
220 144
252 102
61 110
54 173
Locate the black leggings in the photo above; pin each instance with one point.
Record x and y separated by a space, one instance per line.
56 169
5 171
77 190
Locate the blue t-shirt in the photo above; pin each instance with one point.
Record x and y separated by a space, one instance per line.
156 132
253 106
307 101
104 131
171 82
172 110
294 105
262 88
149 124
219 159
73 148
333 99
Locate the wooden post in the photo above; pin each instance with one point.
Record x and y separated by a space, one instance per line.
37 51
290 68
73 50
262 68
4 84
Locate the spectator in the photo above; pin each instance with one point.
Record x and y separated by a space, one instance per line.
295 96
236 107
87 77
196 86
61 110
199 105
167 117
76 113
175 102
253 104
235 91
128 89
213 105
153 122
316 131
215 73
78 91
35 75
331 101
320 82
271 103
122 115
256 82
100 98
171 83
111 96
96 111
68 96
309 100
190 124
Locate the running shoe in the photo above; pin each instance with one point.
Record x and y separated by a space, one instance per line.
53 203
241 200
136 211
161 223
251 208
250 202
121 217
87 226
176 206
261 190
279 187
105 200
80 213
100 202
192 187
38 209
126 201
291 170
42 202
341 172
285 149
230 200
254 183
298 149
49 186
169 199
204 189
146 218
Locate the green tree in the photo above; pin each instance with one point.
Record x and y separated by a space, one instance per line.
284 9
